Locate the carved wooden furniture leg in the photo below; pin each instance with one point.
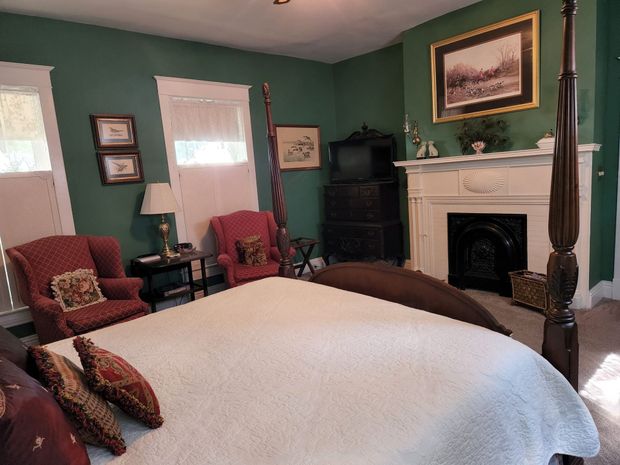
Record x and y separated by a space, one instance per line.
283 240
560 343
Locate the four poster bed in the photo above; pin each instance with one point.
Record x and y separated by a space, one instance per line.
283 371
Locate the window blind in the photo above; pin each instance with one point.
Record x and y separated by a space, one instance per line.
23 145
207 131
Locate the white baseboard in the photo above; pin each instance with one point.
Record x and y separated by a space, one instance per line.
602 290
615 294
584 301
217 288
32 340
15 318
317 263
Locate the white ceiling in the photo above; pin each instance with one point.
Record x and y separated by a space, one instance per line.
323 30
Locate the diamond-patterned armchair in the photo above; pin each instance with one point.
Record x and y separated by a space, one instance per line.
230 228
37 262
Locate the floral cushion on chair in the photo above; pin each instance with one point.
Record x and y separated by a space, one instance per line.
118 382
88 411
251 251
76 289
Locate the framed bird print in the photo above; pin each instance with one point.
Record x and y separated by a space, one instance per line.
114 131
120 167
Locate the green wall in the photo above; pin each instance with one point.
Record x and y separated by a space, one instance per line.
101 70
370 88
607 131
526 127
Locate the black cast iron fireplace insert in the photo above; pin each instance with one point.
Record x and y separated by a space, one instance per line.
484 247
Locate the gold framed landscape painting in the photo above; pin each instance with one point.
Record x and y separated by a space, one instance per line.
490 70
299 147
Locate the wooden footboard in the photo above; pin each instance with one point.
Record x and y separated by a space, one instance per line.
409 288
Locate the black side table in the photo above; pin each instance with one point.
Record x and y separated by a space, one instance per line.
305 246
164 265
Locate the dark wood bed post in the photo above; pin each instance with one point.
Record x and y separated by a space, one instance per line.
283 240
560 343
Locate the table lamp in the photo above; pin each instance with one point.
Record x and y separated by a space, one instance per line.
159 200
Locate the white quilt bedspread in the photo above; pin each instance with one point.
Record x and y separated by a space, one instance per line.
289 373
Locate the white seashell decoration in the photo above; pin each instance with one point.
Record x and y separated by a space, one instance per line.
483 182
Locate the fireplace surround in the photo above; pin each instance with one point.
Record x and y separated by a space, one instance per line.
516 182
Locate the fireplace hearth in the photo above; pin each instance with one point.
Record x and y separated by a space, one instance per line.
484 247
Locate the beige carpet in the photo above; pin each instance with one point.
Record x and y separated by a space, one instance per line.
599 371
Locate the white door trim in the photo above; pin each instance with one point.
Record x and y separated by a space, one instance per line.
616 280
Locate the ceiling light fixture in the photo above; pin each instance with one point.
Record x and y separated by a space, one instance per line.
280 2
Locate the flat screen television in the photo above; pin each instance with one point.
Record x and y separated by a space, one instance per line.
362 160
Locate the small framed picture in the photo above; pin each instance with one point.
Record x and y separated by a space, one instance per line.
114 131
299 147
120 167
487 71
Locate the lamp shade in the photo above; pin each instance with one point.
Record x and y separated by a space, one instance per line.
158 199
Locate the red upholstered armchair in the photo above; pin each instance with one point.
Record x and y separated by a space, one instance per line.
37 262
230 228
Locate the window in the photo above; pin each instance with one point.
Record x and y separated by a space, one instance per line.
208 131
23 146
33 186
208 136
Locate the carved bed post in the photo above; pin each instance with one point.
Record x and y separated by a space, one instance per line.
277 194
560 344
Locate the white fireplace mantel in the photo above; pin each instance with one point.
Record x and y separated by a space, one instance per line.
515 182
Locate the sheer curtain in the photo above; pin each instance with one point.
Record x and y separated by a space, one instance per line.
23 146
208 131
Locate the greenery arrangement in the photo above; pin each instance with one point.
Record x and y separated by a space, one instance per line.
487 130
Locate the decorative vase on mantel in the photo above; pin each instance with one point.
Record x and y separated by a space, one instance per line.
478 146
432 150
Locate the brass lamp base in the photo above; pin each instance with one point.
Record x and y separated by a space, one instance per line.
164 231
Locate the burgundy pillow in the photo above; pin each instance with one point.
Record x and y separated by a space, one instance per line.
33 428
90 413
119 382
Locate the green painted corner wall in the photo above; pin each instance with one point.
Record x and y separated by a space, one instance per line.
102 70
526 127
607 132
370 88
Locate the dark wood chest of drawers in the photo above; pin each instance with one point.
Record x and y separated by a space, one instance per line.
362 221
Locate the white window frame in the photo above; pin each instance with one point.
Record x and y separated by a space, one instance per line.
20 74
179 87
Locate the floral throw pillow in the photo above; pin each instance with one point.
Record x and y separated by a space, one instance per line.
119 382
251 251
88 411
76 289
